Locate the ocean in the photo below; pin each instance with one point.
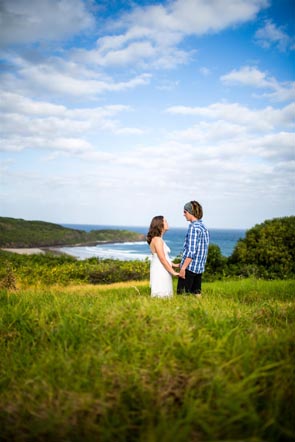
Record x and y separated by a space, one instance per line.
226 239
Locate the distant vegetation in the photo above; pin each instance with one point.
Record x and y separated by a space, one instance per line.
21 233
267 251
49 269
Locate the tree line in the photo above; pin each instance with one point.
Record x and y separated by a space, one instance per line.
267 251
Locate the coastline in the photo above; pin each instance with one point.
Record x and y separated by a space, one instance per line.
123 249
57 249
34 250
24 250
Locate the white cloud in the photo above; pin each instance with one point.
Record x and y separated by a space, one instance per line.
276 146
205 71
192 16
30 124
65 141
14 103
199 17
272 35
150 35
222 131
18 143
261 120
282 92
249 76
64 78
143 54
253 77
31 21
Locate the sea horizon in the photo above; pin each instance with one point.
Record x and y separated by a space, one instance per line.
91 226
225 239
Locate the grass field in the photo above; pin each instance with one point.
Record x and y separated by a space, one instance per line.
108 363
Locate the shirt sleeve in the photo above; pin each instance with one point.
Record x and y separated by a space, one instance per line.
192 237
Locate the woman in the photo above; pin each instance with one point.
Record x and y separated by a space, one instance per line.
195 251
161 270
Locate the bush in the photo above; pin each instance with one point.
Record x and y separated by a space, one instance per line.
216 265
62 269
267 251
7 277
109 271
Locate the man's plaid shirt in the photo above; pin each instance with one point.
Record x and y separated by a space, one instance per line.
196 246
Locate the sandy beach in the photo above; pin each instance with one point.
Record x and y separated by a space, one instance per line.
25 251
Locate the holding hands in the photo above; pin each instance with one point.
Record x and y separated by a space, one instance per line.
175 266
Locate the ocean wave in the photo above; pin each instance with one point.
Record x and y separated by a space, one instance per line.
102 252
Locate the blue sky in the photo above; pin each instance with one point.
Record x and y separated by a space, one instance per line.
113 112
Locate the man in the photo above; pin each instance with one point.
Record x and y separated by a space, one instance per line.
195 251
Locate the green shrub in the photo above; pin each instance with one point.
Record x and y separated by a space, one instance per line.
109 271
267 251
62 269
7 277
216 265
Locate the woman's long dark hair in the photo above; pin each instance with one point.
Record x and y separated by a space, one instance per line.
156 228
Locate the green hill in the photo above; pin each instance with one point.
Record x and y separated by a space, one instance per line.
22 233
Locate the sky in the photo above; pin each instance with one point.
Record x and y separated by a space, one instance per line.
113 112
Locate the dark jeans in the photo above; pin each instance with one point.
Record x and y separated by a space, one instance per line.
191 284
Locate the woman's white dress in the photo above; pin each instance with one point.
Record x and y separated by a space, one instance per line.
160 279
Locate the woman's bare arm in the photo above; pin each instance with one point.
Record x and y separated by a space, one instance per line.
158 246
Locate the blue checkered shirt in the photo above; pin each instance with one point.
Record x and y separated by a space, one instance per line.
196 246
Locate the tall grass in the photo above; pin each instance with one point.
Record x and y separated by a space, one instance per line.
98 363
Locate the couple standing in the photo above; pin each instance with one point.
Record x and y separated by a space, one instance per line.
194 256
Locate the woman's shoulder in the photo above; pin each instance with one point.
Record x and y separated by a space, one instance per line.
156 244
157 240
